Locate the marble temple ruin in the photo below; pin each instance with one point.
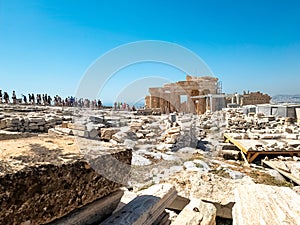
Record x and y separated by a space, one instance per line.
194 95
197 95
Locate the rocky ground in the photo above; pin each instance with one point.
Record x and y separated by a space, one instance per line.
187 151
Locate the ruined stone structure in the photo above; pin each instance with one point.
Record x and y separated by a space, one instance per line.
249 98
254 98
194 95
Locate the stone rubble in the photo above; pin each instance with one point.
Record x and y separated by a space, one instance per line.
184 152
288 164
260 127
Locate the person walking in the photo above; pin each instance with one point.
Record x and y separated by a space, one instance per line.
32 99
24 99
99 104
14 97
49 100
29 98
6 97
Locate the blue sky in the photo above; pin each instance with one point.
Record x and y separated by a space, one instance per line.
46 46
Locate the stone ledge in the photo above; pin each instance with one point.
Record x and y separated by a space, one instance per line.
44 185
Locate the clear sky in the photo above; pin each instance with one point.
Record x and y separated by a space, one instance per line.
47 45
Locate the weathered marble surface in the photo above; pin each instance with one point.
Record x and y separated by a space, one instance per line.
263 204
146 208
197 212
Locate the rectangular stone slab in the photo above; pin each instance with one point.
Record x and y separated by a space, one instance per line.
197 212
144 209
92 213
263 204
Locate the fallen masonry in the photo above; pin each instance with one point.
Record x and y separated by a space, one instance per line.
254 148
99 166
146 208
259 135
287 166
272 205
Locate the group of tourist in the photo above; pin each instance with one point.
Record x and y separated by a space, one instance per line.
5 97
45 99
38 99
123 106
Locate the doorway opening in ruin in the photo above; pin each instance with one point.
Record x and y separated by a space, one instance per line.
183 103
196 102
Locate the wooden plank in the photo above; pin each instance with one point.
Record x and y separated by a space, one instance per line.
265 204
144 209
233 141
291 153
236 143
244 157
286 174
249 154
253 157
244 145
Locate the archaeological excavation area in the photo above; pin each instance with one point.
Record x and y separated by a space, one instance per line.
68 165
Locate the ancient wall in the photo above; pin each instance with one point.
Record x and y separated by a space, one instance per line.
29 124
147 101
255 98
250 98
22 118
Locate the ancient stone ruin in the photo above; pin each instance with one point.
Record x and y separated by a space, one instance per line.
198 95
194 95
62 165
248 98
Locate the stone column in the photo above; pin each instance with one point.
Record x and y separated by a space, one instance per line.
206 100
150 102
211 103
237 99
